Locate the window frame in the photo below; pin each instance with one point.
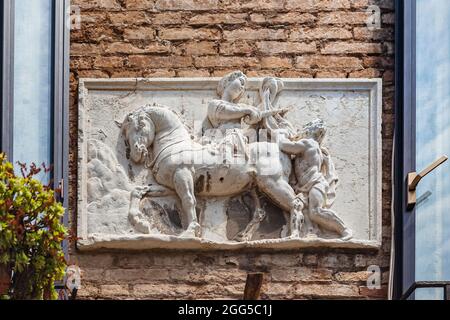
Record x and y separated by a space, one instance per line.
404 280
60 91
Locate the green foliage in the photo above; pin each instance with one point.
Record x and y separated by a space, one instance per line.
31 233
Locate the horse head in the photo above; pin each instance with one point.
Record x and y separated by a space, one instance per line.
138 131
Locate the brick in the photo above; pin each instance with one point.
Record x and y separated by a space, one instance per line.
259 18
341 18
363 4
157 47
108 62
389 48
275 47
285 18
84 49
89 33
122 47
91 18
220 18
110 5
92 274
331 74
210 61
303 34
158 73
255 34
236 48
193 73
335 260
364 33
128 18
303 274
388 76
126 73
188 5
328 62
88 291
366 73
276 290
162 290
284 260
188 34
388 18
254 5
109 290
352 47
172 260
205 276
139 4
167 18
220 72
275 63
92 74
374 293
378 62
129 275
141 61
142 33
292 73
360 276
261 73
313 5
326 291
199 48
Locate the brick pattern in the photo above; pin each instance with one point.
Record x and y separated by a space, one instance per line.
190 38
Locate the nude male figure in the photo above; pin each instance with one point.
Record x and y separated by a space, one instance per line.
316 178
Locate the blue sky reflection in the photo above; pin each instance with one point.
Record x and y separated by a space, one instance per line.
433 140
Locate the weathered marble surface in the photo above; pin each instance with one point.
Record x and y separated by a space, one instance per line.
351 109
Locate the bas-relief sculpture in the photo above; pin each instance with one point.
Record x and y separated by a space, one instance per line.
251 177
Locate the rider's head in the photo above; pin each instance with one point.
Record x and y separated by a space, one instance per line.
315 129
232 86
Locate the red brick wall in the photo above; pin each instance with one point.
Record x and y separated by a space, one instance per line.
181 38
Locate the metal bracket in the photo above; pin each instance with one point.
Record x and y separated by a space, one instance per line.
414 178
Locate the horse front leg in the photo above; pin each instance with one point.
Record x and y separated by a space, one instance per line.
184 187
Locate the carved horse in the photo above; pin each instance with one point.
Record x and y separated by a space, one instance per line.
156 136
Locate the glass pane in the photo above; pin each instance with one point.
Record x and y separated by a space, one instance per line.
429 294
433 141
32 81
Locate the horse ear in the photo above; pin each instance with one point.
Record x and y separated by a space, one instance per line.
119 124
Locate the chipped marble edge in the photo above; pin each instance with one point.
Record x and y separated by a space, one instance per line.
142 242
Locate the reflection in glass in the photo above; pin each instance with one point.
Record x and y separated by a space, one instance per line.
32 81
433 141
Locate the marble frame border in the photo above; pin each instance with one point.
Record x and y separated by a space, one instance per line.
142 242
